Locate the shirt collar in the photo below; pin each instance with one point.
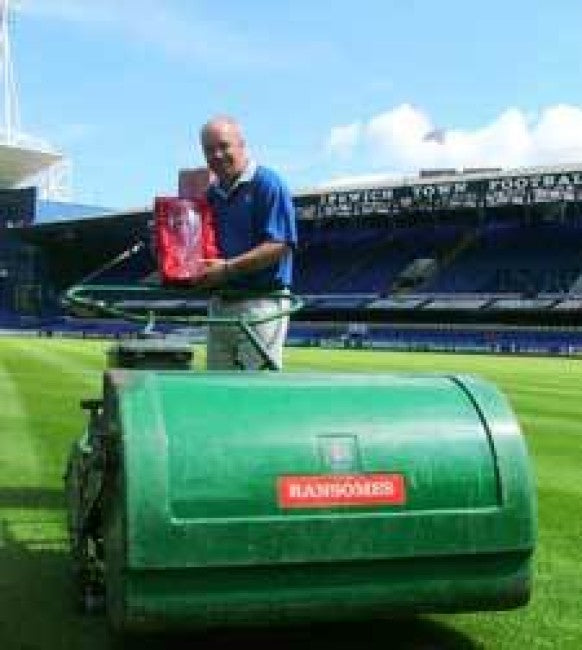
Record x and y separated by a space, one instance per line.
246 177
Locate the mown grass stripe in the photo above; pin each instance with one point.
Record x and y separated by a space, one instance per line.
54 353
19 461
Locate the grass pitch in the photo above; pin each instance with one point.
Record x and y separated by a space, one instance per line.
41 383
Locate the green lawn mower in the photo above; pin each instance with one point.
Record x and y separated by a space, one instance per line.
200 499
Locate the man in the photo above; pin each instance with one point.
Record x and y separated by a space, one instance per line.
256 234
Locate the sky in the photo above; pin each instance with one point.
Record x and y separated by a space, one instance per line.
326 91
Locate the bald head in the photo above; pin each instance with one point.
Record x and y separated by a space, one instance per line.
220 122
224 148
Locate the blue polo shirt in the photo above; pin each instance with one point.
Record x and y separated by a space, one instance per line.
256 209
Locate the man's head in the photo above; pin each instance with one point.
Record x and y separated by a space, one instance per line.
224 148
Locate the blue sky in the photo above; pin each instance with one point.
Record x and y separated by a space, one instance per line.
324 90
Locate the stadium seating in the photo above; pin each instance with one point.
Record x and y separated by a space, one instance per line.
499 257
496 267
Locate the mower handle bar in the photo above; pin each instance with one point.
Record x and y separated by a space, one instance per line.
73 298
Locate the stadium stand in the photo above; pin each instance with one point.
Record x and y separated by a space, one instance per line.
484 251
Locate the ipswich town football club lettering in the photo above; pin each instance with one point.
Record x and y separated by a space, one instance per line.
484 192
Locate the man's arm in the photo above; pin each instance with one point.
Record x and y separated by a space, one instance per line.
218 271
259 257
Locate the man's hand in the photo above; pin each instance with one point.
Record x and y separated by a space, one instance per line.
213 275
216 271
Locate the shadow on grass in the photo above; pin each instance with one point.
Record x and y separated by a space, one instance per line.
37 605
373 634
36 600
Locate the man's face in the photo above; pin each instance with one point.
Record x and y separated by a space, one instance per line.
224 150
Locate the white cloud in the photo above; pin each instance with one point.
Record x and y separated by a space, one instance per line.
557 136
342 139
360 180
397 139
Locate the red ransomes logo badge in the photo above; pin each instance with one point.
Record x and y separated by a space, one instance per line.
340 490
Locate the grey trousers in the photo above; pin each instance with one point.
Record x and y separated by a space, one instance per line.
229 348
